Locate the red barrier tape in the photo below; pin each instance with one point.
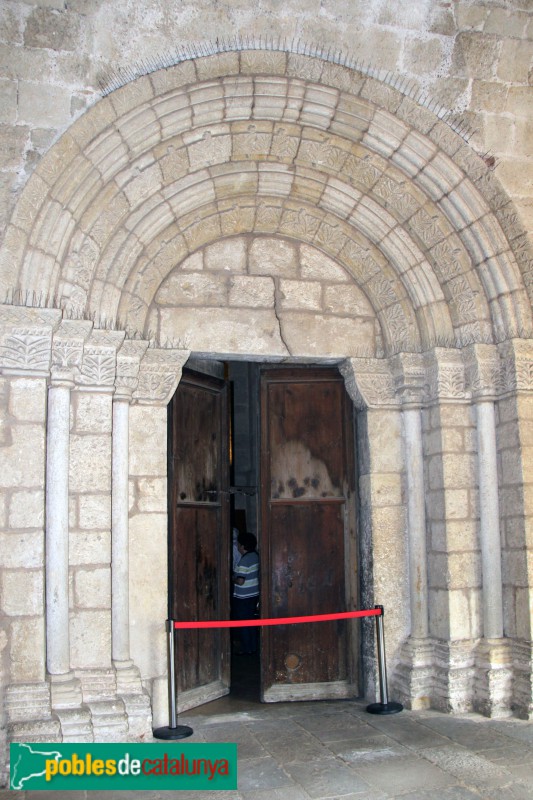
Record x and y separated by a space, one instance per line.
245 623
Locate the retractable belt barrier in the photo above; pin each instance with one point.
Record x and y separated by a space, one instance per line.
175 731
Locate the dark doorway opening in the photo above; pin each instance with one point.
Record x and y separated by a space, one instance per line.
268 449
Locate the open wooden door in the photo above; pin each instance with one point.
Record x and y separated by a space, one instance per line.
199 548
308 539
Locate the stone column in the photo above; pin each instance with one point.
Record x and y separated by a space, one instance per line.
128 362
416 521
493 660
66 359
56 547
489 521
409 377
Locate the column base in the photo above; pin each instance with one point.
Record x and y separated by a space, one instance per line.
493 683
65 691
522 655
414 676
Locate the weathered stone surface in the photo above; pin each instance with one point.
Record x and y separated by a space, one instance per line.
22 592
90 638
92 588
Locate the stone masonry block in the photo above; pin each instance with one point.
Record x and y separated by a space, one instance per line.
465 613
148 545
53 29
27 650
300 295
254 292
464 570
8 102
346 300
457 504
380 489
152 495
90 463
92 588
27 399
474 54
93 412
190 289
224 330
317 335
385 442
228 255
87 547
148 425
515 61
90 639
22 592
44 106
523 614
94 511
273 257
13 142
317 266
21 549
26 509
23 459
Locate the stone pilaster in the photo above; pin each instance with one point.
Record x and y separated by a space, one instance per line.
414 674
454 560
515 445
127 676
159 374
66 361
382 509
25 359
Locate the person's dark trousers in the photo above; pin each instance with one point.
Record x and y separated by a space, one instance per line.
244 608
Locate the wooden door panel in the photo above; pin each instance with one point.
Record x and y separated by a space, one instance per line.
308 578
308 532
199 535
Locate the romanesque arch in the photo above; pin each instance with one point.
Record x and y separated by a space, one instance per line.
323 215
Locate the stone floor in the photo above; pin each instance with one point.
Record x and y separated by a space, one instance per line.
303 751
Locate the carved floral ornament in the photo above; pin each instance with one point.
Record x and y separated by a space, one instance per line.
478 372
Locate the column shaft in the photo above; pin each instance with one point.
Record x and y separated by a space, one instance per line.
489 513
119 532
57 513
416 521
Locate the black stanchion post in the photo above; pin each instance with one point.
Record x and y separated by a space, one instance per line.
384 707
172 731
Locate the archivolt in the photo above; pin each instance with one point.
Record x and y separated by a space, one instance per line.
185 156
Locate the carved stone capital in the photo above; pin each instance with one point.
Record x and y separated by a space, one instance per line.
484 376
369 382
409 377
98 365
128 364
445 376
159 374
517 360
26 340
67 350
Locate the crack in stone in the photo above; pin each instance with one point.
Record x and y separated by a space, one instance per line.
276 298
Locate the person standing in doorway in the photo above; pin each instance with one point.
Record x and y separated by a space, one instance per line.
246 590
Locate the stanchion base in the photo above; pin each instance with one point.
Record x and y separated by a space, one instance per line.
384 708
179 732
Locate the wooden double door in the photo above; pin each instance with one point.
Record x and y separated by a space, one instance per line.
307 533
